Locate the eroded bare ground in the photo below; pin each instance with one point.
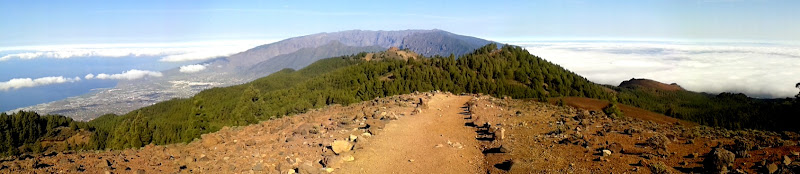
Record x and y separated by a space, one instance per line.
443 133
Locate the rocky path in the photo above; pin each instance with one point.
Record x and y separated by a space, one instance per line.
434 141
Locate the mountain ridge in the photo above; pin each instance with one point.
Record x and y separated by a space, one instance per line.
244 67
357 38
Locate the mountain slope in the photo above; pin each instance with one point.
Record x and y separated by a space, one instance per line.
729 110
251 64
510 71
304 57
417 40
441 43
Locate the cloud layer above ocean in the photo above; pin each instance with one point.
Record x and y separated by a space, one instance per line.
169 52
758 70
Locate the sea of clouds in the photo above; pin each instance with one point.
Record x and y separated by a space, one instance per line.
168 53
763 70
17 83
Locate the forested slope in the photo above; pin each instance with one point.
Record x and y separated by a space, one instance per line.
728 110
23 132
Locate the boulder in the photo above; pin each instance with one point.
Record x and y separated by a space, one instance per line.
416 111
104 164
719 160
285 168
203 158
332 161
304 129
64 161
308 168
348 158
741 147
258 167
658 141
378 115
375 124
771 168
606 152
583 114
210 140
500 133
373 131
614 147
340 146
353 138
658 168
631 131
366 134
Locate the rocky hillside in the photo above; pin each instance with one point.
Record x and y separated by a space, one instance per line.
444 133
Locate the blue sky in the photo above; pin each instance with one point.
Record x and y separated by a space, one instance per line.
80 22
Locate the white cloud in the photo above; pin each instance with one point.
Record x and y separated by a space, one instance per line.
758 70
169 52
89 76
28 82
127 75
192 68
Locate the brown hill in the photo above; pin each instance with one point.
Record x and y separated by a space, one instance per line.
596 105
392 53
444 133
650 84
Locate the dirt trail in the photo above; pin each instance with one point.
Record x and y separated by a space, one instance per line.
435 141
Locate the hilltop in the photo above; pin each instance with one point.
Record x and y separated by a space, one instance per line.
650 84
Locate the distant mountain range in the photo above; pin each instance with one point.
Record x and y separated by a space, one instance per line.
299 52
294 53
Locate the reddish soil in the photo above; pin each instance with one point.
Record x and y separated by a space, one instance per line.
630 111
